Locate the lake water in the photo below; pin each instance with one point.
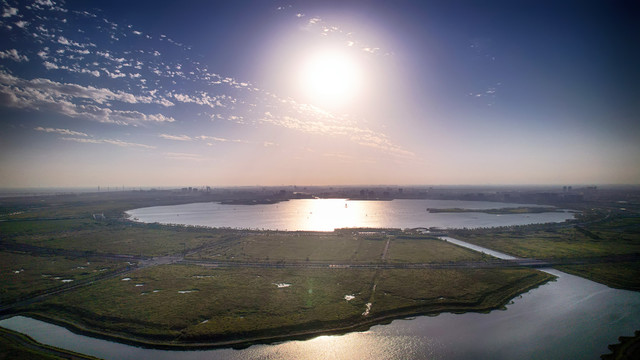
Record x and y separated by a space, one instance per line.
329 214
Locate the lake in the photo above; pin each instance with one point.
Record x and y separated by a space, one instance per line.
329 214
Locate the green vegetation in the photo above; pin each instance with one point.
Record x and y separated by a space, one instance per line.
627 349
622 275
213 305
613 237
25 275
423 249
14 345
433 291
294 246
501 211
340 247
109 237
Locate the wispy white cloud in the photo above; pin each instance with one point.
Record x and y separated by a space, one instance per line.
183 156
176 137
109 142
9 12
46 95
61 131
219 139
323 28
13 55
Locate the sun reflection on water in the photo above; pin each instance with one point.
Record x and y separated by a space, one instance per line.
329 214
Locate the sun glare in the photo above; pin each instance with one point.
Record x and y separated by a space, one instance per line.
330 78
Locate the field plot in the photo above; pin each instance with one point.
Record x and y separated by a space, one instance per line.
432 291
615 237
110 238
277 246
428 250
197 304
23 275
611 238
189 303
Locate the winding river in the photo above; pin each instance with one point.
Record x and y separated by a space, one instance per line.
569 318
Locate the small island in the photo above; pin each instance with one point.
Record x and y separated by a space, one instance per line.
501 211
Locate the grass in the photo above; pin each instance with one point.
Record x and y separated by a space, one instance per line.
277 246
452 290
627 349
109 237
24 275
235 302
624 275
14 345
428 250
613 235
571 242
225 304
10 348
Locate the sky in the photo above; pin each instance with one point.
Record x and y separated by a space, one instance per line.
242 93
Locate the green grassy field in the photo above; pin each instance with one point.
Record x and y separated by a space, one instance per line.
24 275
209 304
109 237
428 250
276 246
614 235
571 242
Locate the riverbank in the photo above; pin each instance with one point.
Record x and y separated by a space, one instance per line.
14 345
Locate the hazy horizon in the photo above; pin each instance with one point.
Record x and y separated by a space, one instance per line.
227 94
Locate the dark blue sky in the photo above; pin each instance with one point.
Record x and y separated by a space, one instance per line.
224 93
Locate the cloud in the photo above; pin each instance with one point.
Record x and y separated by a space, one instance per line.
176 137
53 89
114 94
109 141
320 27
13 55
219 139
47 95
183 156
61 131
9 12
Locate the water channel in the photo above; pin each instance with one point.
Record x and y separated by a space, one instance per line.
570 318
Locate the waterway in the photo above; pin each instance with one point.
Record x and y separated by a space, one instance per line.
329 214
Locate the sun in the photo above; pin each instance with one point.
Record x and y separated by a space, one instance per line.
330 78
